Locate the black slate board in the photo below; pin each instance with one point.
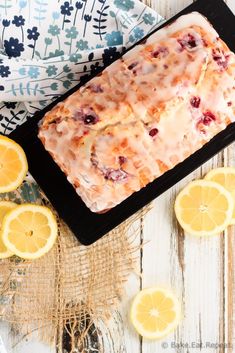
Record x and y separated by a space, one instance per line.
88 226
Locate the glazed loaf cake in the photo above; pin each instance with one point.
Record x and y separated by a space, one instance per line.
147 112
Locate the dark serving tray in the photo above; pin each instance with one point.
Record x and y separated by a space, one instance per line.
86 225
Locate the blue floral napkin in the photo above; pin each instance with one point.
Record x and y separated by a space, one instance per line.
47 47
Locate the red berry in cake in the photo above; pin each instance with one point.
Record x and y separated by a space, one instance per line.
220 58
90 119
122 160
161 52
133 65
208 117
188 42
153 132
95 88
115 174
88 116
195 102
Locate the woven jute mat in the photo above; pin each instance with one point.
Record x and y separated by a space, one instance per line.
65 292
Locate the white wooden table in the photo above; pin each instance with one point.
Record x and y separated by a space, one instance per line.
200 271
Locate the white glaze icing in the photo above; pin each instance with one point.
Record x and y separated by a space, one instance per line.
144 119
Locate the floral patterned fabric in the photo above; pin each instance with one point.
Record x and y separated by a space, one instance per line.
47 47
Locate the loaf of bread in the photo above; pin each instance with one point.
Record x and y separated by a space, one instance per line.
147 112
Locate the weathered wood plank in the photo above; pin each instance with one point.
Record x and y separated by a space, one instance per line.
203 275
190 266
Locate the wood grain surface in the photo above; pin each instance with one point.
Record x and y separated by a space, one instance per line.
200 271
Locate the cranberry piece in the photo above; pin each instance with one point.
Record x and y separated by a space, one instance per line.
133 65
220 58
90 119
229 104
195 102
160 52
115 174
208 117
188 41
122 159
86 115
192 42
94 161
153 132
96 88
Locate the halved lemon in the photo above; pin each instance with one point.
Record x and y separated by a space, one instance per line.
225 177
204 208
29 231
155 312
13 165
5 207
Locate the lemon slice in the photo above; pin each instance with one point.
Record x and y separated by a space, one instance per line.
155 312
5 207
29 231
13 165
204 208
226 178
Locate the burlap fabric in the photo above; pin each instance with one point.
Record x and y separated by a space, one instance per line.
65 292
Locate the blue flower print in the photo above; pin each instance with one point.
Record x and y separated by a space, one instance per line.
54 86
87 18
18 21
138 33
114 38
148 19
82 45
110 55
74 58
72 33
2 88
13 47
66 9
55 15
33 33
22 71
78 5
67 84
124 5
70 76
48 41
51 70
66 68
33 72
56 53
4 71
10 105
22 4
131 38
6 23
54 30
